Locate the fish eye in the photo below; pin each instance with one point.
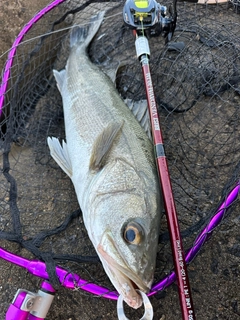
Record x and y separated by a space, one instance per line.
133 233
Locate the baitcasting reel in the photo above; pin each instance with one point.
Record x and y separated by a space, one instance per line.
150 16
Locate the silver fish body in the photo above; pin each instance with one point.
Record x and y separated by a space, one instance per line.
110 161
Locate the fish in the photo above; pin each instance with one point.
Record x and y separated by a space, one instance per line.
110 160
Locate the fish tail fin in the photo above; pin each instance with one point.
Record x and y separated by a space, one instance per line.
82 36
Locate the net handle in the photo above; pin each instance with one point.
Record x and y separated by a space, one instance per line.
73 281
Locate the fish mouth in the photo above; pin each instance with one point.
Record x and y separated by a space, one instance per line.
127 288
125 281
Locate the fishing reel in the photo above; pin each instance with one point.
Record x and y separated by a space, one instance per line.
150 17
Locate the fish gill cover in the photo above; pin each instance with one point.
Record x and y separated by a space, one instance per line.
198 93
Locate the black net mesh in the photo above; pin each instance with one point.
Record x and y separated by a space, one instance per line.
197 88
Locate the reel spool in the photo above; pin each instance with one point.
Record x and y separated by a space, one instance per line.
150 16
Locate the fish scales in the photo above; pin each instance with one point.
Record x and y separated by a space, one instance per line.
101 104
110 161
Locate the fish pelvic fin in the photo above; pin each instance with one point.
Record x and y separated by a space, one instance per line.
103 144
60 154
82 36
59 76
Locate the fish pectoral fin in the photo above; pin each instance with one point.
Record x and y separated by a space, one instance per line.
103 144
140 112
59 76
60 154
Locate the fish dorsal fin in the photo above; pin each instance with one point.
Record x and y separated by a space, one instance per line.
112 69
111 73
60 155
59 76
138 108
140 112
103 144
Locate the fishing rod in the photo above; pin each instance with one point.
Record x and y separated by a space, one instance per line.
149 18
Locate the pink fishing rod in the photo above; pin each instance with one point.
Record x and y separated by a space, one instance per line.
143 53
146 18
